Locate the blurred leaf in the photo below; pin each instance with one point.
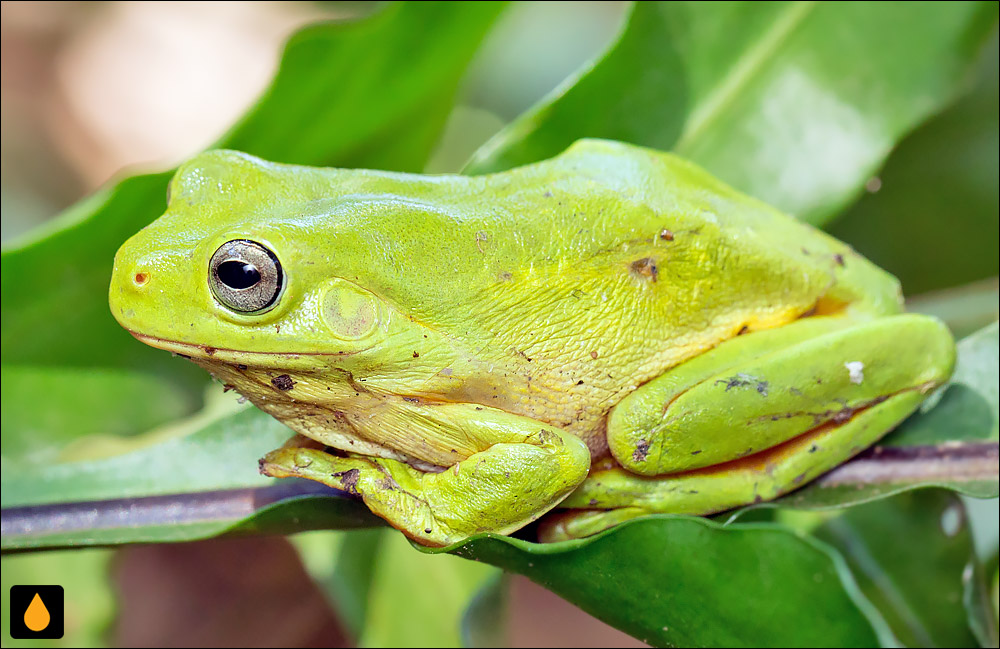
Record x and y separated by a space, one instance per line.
343 565
964 309
94 401
980 600
418 599
933 221
222 455
796 103
373 92
89 600
484 623
682 581
908 555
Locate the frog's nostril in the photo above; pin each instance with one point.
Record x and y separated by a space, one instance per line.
141 278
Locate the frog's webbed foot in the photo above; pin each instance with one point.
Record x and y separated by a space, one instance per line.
499 490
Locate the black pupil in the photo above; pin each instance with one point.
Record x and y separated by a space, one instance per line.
238 274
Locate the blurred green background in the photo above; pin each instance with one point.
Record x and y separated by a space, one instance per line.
96 91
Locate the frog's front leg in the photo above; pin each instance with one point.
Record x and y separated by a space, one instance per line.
760 415
525 469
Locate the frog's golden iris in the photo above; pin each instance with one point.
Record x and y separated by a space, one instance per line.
613 332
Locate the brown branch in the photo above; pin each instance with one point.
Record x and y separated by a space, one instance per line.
951 461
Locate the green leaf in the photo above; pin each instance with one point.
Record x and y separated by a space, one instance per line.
796 103
965 309
933 220
909 555
682 581
98 401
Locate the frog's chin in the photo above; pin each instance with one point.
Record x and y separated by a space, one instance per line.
233 356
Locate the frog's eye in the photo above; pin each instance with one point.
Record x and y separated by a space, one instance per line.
245 276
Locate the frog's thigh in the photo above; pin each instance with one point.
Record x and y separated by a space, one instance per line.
526 469
614 495
762 389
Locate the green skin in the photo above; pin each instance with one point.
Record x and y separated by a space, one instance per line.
613 331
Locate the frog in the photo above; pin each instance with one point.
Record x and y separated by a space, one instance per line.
607 334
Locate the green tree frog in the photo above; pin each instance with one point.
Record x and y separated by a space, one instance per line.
613 332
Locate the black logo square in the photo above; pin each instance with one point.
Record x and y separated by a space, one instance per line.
36 612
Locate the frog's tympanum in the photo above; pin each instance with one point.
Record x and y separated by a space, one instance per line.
613 332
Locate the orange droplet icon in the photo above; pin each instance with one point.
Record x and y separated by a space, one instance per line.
36 616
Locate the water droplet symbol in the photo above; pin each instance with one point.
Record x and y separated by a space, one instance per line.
36 616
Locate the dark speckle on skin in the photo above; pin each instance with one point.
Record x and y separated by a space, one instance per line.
839 259
241 366
666 235
646 267
743 381
641 451
416 355
283 382
210 351
349 480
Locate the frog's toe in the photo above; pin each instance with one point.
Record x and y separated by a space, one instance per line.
341 473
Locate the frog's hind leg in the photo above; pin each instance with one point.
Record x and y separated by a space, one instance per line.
759 416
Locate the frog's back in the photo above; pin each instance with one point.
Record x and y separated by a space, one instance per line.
584 276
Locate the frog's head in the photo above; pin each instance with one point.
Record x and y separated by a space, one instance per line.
238 273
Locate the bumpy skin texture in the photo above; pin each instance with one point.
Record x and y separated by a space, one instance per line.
465 341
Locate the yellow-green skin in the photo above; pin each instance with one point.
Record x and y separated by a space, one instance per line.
476 346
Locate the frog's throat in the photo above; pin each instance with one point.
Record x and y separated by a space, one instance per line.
223 355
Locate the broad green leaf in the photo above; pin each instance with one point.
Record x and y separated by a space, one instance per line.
373 92
796 103
418 599
933 220
909 555
99 401
681 581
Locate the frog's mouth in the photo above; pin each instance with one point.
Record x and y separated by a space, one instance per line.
233 356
